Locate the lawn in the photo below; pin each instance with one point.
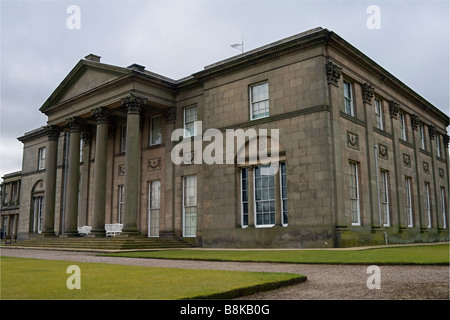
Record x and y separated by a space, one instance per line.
418 255
34 279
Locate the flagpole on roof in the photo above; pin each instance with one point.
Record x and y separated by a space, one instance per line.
239 46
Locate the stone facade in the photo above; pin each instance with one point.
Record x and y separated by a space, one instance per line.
363 158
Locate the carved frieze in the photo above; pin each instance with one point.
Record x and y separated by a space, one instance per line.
121 169
426 167
352 140
154 164
383 152
406 160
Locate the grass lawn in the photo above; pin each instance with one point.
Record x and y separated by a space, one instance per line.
426 254
34 279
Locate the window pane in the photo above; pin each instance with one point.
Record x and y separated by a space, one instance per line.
264 195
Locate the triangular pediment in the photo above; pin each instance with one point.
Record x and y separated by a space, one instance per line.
84 77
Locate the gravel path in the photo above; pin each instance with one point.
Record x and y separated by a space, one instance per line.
327 282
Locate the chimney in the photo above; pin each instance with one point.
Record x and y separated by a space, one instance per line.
93 57
136 67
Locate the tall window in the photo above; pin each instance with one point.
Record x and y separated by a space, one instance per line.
190 117
190 206
154 198
438 145
264 196
385 198
443 206
123 138
379 114
354 194
402 126
283 187
422 136
408 204
244 196
120 203
348 98
38 210
41 160
259 101
155 131
428 203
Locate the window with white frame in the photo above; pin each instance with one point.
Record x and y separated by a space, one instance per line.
154 203
379 114
428 203
402 126
259 101
408 203
422 136
348 99
354 194
155 130
190 206
121 198
244 197
438 145
283 190
264 178
38 213
443 207
385 198
190 118
123 138
41 159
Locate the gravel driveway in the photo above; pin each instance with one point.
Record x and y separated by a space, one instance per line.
328 282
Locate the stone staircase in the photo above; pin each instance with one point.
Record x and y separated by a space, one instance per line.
102 243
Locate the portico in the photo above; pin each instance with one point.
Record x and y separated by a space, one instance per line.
124 100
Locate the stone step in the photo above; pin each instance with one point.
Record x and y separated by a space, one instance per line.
110 243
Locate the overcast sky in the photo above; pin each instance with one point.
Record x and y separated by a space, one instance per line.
176 38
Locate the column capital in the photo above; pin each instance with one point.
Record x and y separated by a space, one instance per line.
446 140
87 138
100 114
415 120
367 92
133 104
170 115
74 125
393 109
52 132
432 131
333 73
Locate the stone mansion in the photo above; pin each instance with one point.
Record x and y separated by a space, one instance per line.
362 158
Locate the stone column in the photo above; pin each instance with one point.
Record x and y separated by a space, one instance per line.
399 181
435 173
415 122
86 157
168 228
48 225
73 178
99 188
342 218
133 105
372 171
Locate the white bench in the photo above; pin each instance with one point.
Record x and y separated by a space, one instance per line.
84 230
113 229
